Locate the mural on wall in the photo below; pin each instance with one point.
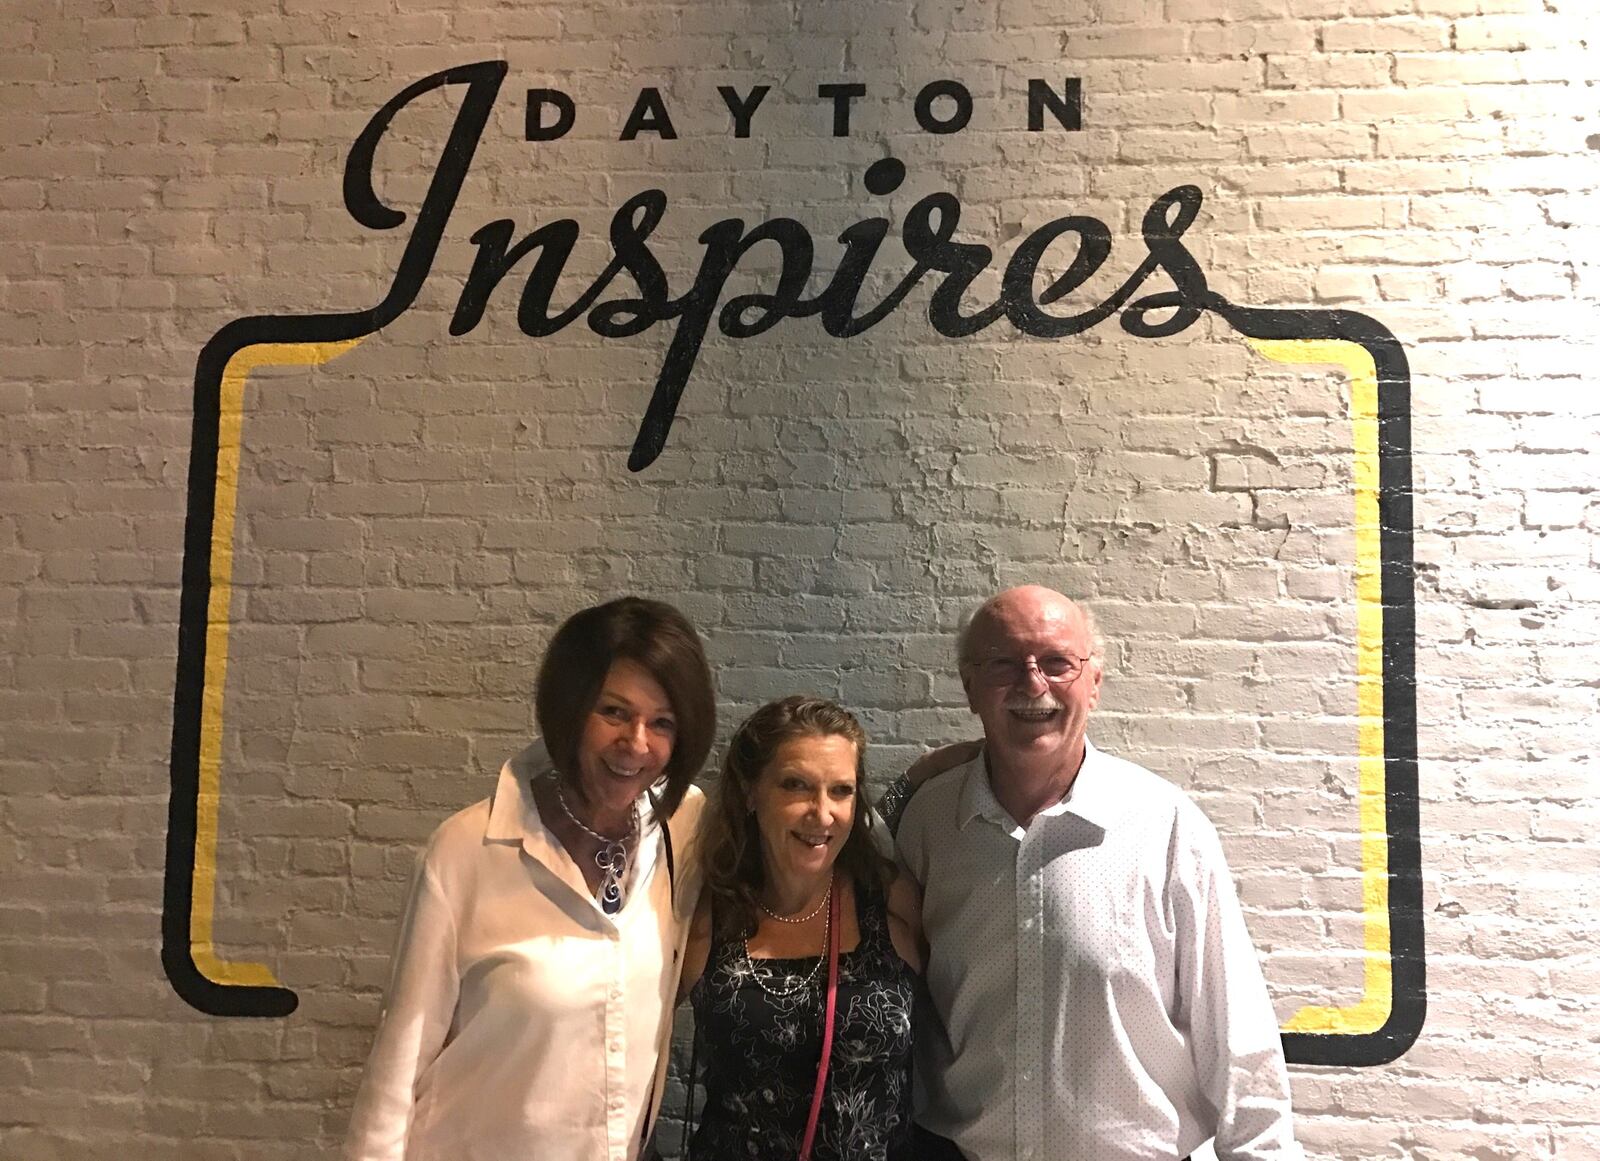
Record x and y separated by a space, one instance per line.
1378 1027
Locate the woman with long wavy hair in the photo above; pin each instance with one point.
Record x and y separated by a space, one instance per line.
804 951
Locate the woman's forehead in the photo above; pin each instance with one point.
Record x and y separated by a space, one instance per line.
830 755
629 681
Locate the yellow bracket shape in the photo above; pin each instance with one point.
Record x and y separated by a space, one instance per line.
1371 1012
1367 1015
218 617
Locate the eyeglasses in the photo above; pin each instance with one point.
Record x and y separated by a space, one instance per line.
1056 668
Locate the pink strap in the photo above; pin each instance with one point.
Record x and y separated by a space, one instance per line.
827 1024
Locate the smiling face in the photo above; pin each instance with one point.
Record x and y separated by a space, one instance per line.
1027 717
805 804
627 739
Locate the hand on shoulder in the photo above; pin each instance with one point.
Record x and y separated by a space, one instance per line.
936 762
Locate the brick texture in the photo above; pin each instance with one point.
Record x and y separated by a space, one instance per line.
415 517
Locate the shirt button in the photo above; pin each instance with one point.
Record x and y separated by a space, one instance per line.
1027 1074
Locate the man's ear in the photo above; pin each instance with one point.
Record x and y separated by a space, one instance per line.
1096 671
966 688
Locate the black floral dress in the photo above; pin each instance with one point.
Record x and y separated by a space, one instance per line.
761 1051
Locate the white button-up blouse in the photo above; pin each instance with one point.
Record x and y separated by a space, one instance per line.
521 1020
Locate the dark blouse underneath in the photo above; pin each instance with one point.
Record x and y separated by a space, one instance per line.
761 1051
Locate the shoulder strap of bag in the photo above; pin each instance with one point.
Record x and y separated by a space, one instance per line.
646 1129
827 1027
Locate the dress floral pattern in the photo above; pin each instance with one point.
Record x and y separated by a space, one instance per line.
761 1050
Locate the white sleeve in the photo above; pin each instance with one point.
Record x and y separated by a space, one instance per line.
1222 998
417 1012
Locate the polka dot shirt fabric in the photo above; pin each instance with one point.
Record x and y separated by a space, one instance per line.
1094 992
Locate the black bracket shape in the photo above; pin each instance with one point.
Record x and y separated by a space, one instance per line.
1408 998
483 79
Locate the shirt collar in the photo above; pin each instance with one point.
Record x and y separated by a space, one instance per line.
512 814
1093 797
977 796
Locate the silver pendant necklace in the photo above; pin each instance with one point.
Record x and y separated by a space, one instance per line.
611 858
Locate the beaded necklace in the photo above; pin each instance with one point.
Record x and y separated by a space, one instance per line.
817 910
803 982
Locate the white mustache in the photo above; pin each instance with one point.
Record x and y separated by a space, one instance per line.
1044 701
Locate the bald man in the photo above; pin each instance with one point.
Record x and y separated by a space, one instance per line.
1096 995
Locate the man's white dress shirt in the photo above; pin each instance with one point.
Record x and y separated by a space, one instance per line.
1096 993
522 1021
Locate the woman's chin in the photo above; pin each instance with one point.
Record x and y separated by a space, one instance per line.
614 793
813 861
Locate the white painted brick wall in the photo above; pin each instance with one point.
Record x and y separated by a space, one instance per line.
415 518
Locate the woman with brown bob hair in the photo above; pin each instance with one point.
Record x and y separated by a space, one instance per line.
804 951
653 635
532 987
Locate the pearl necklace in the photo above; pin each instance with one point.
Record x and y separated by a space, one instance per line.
804 918
611 858
805 981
